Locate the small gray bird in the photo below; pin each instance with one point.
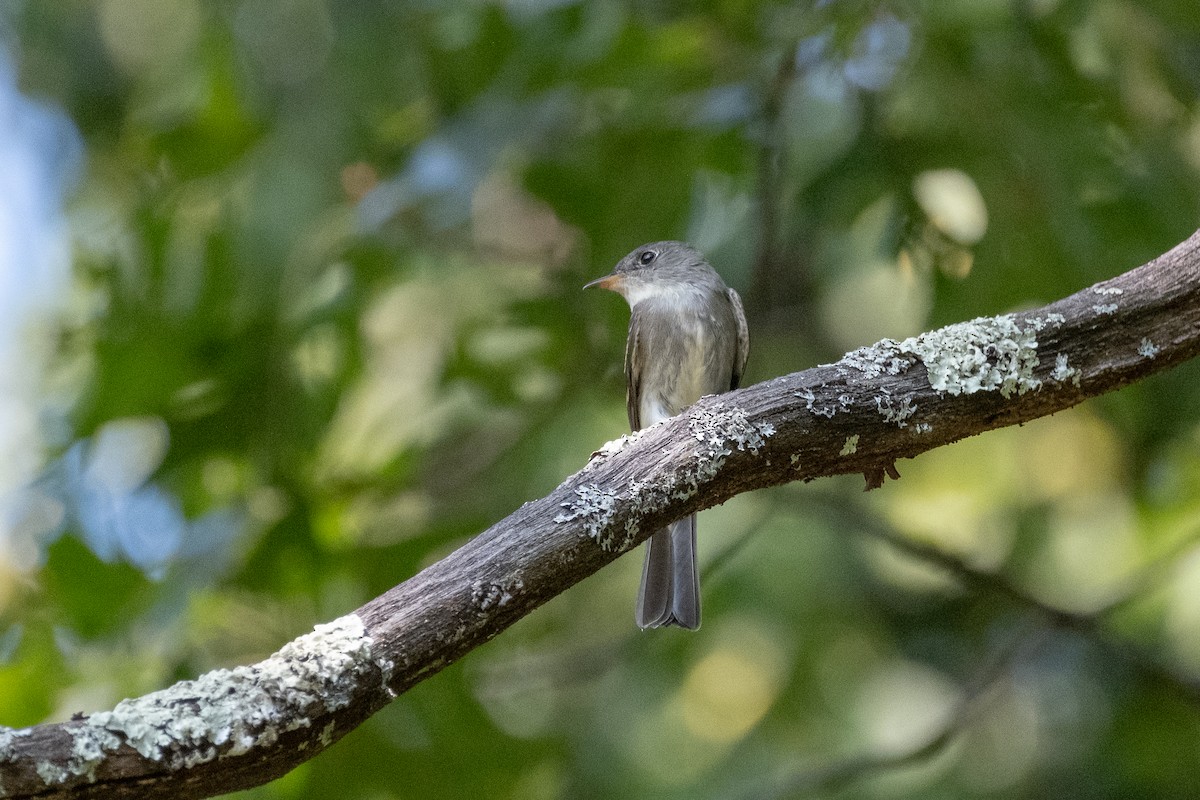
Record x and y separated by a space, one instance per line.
687 338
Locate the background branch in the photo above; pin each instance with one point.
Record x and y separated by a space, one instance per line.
974 694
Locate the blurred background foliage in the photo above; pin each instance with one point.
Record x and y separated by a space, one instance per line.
290 308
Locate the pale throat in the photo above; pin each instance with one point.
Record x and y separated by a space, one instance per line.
675 294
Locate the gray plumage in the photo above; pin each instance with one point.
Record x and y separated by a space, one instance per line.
687 338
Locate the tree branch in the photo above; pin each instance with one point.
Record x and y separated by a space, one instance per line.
232 729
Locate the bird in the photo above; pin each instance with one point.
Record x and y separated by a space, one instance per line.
687 338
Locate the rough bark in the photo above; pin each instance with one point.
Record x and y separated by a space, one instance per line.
238 728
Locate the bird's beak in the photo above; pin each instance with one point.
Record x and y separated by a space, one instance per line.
612 282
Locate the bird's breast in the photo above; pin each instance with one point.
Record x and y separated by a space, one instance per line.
683 358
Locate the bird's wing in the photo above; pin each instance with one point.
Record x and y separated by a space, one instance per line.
634 359
742 350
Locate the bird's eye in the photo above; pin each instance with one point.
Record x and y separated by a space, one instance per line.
647 256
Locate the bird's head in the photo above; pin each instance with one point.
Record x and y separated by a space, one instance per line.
656 269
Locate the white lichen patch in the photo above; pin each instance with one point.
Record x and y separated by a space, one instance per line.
595 506
850 447
615 446
50 773
1105 308
88 748
893 412
810 400
490 595
7 737
718 431
229 712
1108 290
1147 348
923 427
985 354
1063 371
882 358
717 426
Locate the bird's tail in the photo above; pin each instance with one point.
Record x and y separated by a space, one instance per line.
670 592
